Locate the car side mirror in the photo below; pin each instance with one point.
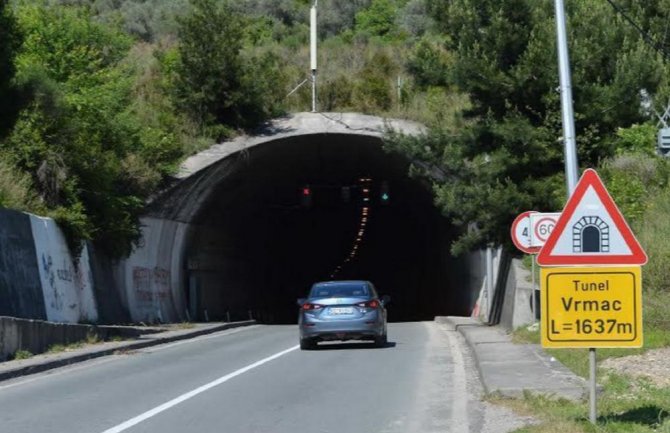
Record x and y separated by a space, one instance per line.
386 299
301 301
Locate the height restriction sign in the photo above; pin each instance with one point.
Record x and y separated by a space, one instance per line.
591 307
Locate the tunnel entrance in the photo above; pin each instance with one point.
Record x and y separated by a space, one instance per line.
296 211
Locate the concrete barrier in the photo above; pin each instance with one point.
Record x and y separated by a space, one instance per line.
517 306
37 336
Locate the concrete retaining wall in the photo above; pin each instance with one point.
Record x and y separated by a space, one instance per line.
66 283
517 306
20 284
482 300
153 274
112 306
38 277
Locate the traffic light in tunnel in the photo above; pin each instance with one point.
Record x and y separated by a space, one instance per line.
384 194
306 196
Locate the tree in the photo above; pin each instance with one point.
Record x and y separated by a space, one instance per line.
378 19
74 136
428 64
505 156
213 82
10 41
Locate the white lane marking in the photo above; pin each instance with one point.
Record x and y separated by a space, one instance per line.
71 368
182 398
459 403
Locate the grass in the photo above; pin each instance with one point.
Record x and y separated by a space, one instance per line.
183 325
22 354
625 405
58 348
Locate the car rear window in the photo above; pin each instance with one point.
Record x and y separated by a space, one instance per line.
344 289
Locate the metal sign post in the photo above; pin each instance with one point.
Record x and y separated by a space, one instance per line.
571 164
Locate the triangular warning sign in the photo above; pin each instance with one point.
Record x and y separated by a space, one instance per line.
591 230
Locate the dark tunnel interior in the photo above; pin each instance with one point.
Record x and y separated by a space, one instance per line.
283 219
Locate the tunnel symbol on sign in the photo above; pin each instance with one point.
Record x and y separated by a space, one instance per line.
591 235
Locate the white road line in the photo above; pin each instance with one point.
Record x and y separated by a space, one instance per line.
459 403
182 398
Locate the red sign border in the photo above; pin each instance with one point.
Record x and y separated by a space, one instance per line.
517 220
591 179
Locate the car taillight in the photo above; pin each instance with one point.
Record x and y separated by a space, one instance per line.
369 304
310 307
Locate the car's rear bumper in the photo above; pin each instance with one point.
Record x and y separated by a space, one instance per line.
365 328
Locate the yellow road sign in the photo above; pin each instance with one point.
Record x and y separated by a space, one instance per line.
591 307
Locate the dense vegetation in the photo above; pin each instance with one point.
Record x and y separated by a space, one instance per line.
101 100
505 154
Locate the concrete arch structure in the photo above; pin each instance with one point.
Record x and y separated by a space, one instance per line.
201 172
218 240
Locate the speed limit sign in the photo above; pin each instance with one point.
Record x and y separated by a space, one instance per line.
521 233
541 226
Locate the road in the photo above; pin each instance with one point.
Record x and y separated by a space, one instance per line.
255 379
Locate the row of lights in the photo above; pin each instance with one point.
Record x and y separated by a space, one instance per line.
360 235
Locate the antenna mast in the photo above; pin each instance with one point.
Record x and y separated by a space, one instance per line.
312 38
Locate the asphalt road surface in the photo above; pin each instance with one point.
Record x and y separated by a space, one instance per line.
256 379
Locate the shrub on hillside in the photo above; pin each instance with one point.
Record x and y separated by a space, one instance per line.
653 231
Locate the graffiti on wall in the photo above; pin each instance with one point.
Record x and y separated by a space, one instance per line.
151 284
55 299
66 283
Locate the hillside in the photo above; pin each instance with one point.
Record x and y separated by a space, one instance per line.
103 99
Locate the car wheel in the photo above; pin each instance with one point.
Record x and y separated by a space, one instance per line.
307 344
381 340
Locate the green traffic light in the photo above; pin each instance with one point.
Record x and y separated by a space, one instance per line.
385 196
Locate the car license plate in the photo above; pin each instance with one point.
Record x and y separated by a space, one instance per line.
341 310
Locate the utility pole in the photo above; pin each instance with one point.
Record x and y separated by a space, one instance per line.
313 40
571 164
566 100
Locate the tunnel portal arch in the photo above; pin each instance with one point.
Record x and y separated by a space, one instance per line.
237 243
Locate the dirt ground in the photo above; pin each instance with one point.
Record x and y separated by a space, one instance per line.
653 365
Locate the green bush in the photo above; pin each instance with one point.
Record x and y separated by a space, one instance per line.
10 41
429 64
378 20
22 354
653 231
76 137
16 190
634 179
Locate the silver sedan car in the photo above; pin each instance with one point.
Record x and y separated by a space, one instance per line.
342 310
